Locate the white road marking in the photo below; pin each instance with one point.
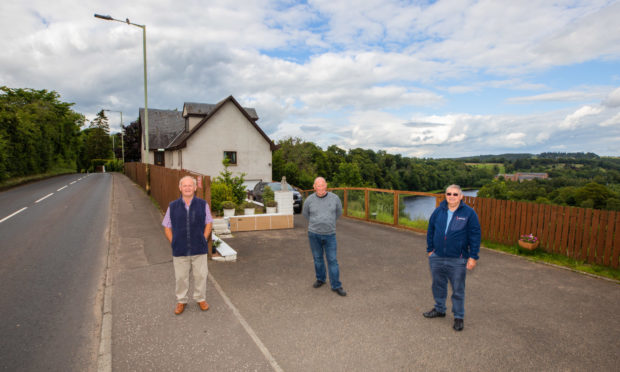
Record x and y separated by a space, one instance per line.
7 217
45 197
72 182
247 327
64 187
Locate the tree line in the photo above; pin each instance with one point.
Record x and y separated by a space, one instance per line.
38 132
301 162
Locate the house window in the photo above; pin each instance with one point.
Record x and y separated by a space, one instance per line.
231 156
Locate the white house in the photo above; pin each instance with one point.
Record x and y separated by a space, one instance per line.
199 138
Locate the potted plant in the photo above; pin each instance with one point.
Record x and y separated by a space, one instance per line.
271 206
229 208
248 208
529 242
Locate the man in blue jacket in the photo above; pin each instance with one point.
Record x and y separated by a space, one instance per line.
453 243
187 225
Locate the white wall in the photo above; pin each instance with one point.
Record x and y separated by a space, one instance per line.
228 130
192 121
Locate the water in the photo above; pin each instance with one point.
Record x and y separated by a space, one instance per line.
421 207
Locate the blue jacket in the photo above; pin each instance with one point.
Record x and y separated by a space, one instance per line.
463 236
188 228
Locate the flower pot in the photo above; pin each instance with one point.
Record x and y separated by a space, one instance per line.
528 246
272 210
229 212
248 211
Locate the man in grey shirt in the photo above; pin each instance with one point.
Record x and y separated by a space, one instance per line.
322 209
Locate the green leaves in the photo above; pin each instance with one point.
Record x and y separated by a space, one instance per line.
37 132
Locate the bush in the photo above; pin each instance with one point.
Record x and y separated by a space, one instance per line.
234 183
247 204
268 194
228 205
271 203
114 165
220 192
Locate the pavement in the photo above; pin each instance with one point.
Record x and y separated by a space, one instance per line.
266 316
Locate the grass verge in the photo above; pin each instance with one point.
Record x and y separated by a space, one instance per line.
539 255
16 181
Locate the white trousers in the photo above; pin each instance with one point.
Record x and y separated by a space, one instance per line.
198 266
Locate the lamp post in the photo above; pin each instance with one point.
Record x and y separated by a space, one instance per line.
122 134
146 105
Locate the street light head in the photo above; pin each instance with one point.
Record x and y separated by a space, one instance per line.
106 17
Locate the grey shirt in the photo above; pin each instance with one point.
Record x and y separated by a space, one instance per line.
322 213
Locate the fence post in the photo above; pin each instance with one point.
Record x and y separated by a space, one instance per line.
396 200
346 203
366 204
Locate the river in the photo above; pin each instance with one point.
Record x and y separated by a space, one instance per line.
418 207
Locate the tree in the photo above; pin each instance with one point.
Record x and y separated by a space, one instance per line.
348 175
98 141
133 142
38 132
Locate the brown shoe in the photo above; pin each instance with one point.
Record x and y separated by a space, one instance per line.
179 309
204 306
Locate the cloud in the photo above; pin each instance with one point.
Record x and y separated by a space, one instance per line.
572 120
565 96
427 78
615 120
613 99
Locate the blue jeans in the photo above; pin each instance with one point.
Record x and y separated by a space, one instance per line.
325 244
444 269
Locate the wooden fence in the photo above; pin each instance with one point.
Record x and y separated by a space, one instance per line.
585 234
165 182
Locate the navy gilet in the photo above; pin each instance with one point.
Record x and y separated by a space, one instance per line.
188 227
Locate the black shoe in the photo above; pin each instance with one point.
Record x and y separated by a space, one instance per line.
433 314
458 324
340 291
317 284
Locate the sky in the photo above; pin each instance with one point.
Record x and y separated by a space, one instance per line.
428 79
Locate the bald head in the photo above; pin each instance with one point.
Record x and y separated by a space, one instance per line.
320 186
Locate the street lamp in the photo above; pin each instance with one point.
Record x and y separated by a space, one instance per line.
122 134
146 105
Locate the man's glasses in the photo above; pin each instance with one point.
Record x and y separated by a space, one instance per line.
452 194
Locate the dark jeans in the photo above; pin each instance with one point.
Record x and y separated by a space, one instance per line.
325 245
444 269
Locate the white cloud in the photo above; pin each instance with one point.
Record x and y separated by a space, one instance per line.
613 121
573 120
613 99
347 73
565 96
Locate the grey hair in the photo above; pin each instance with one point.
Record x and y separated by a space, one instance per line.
190 177
455 187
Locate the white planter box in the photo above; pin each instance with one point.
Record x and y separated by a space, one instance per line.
248 211
229 212
272 210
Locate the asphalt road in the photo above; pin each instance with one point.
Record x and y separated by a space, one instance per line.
53 244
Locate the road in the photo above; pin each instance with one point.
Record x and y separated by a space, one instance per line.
53 244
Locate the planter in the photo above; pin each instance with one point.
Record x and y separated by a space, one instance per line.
272 210
528 246
248 211
229 212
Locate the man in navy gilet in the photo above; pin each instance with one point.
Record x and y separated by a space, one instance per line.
453 243
187 225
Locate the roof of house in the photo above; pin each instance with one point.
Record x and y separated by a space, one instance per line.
167 127
164 126
203 109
